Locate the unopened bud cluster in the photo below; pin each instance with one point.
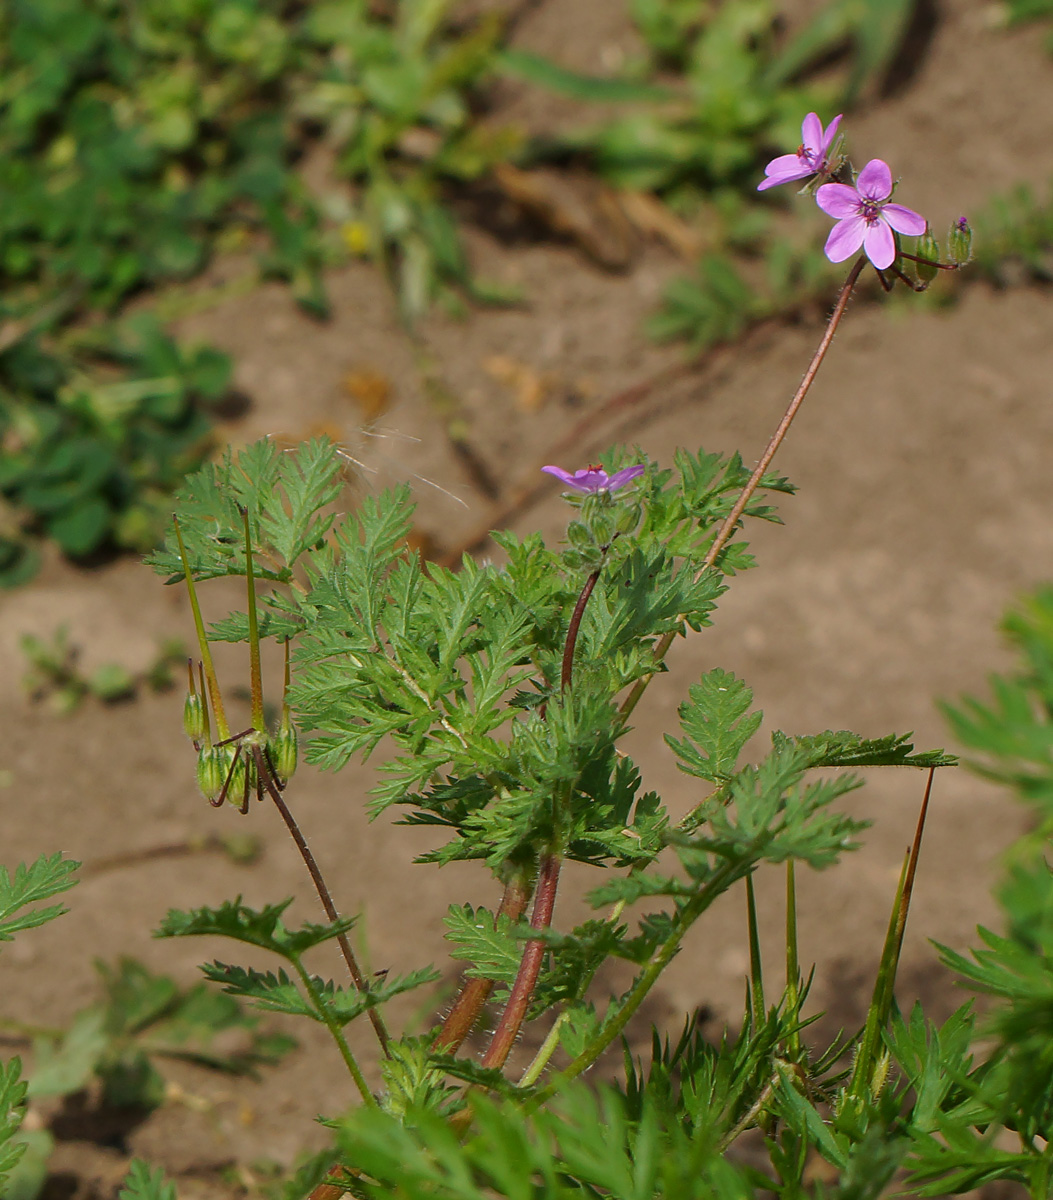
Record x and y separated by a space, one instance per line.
230 769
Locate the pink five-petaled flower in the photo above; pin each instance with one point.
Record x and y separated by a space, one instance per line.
593 479
811 156
865 217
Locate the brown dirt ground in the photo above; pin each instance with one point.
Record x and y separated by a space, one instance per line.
922 461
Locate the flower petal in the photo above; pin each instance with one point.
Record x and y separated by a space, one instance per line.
565 477
879 244
838 200
875 180
904 220
783 169
845 238
812 132
625 475
831 133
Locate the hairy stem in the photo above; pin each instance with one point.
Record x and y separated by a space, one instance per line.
320 886
462 1017
529 965
547 877
726 530
335 1031
574 627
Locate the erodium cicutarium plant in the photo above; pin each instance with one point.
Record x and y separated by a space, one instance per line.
498 695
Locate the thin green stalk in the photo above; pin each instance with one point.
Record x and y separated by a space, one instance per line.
255 671
335 1031
222 728
731 521
757 1006
548 1048
793 966
884 986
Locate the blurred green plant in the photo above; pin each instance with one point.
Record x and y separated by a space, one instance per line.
23 1153
1016 12
731 89
134 141
96 431
142 1019
54 676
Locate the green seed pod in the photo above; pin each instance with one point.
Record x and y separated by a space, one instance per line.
960 240
195 721
928 247
236 790
284 751
213 762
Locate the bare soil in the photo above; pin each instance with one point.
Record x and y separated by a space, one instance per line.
922 458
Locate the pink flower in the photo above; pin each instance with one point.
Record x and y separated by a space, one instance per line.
865 217
595 479
811 156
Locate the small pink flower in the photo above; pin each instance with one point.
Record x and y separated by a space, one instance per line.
811 157
865 217
593 479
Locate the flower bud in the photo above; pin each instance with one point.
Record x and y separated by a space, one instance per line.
195 721
602 528
284 752
213 763
960 241
580 536
928 247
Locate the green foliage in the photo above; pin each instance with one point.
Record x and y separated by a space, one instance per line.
141 1020
23 1155
738 92
133 144
96 435
143 1183
319 999
1014 237
48 876
12 1113
494 691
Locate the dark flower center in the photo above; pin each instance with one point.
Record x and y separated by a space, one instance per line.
869 210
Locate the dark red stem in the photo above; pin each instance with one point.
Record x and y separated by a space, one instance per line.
462 1017
573 627
320 886
529 966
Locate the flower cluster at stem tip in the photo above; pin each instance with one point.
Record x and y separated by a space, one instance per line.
865 216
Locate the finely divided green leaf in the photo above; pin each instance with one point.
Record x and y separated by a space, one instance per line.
47 877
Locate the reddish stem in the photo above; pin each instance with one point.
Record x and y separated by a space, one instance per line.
529 966
572 630
733 517
320 886
461 1018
